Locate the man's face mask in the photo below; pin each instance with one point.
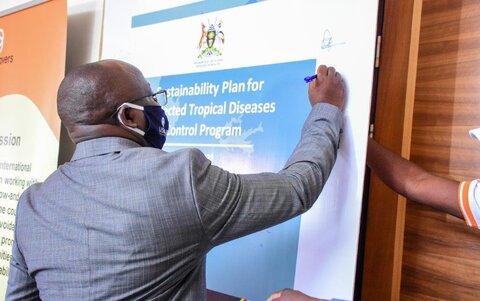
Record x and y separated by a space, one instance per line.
157 124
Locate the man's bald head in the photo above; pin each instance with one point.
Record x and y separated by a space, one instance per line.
89 94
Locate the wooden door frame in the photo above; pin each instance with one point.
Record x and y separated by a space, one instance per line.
382 262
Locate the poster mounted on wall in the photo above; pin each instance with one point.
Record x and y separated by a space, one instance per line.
32 64
234 72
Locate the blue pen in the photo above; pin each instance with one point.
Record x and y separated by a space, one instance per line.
310 78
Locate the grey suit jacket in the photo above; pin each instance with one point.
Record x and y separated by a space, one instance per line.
125 222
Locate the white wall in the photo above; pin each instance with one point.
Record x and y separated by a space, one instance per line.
85 18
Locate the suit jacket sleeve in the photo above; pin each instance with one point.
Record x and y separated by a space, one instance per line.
232 205
21 286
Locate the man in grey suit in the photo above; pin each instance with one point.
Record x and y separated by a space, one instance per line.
125 220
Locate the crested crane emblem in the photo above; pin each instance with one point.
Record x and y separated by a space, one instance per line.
211 40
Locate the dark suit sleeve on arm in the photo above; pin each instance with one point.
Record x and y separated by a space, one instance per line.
231 205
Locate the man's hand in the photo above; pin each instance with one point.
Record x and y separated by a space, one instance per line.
291 295
328 87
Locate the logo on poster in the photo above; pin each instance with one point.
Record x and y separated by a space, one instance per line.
4 59
211 40
2 37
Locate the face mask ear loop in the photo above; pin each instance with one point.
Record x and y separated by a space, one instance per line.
138 131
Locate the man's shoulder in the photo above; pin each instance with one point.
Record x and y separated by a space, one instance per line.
182 158
26 198
190 154
157 153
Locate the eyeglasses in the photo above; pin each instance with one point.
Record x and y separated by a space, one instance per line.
160 97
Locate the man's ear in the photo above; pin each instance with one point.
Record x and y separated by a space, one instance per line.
129 116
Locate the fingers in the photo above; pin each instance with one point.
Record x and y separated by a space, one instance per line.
324 71
328 87
275 296
278 295
331 72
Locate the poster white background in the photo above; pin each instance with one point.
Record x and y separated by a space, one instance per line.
338 33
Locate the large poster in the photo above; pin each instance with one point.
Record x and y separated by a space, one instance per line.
32 64
234 72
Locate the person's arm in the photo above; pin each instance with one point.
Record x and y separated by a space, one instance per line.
412 181
21 286
233 205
